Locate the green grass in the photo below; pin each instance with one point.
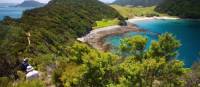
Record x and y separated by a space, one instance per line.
106 22
131 12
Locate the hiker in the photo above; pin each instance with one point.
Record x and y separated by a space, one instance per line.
24 64
31 73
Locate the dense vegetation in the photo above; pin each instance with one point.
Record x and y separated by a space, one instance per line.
131 12
47 36
181 8
138 2
155 66
48 30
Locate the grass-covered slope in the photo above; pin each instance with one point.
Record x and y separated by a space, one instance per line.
48 30
181 8
138 2
106 23
131 12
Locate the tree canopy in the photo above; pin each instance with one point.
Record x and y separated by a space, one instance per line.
48 30
181 8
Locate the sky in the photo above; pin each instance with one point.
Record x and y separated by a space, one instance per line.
43 1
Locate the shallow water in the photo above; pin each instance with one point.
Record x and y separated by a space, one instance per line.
187 31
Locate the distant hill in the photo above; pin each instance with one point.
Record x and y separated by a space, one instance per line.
138 2
181 8
30 3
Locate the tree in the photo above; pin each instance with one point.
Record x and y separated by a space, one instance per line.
133 46
166 46
151 67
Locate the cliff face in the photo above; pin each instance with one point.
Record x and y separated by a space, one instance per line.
181 8
138 2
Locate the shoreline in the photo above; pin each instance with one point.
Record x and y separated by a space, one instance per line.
135 19
96 37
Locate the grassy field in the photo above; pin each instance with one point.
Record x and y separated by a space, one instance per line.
105 23
128 12
131 12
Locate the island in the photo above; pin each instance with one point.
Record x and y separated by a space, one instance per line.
30 3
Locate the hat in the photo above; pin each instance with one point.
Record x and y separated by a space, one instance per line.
25 60
29 68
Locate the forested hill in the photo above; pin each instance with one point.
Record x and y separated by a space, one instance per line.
181 8
138 2
48 29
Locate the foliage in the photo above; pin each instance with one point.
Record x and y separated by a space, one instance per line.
5 82
33 83
146 68
145 3
87 67
51 31
134 46
105 23
12 45
181 8
193 78
47 31
131 12
166 46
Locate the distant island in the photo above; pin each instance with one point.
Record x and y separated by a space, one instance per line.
30 3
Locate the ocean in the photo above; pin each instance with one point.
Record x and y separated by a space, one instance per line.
14 12
187 31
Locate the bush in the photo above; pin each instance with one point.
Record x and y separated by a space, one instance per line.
32 83
5 82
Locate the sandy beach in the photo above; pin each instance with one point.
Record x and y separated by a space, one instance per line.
150 18
95 37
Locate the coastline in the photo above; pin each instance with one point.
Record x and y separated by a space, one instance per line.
96 37
151 18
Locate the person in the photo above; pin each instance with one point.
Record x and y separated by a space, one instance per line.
32 74
25 64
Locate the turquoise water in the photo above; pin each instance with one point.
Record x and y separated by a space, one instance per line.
187 31
14 12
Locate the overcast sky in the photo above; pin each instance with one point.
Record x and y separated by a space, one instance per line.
43 1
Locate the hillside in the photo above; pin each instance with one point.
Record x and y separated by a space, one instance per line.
48 30
181 8
138 2
30 3
47 37
130 12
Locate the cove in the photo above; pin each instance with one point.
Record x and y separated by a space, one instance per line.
185 30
